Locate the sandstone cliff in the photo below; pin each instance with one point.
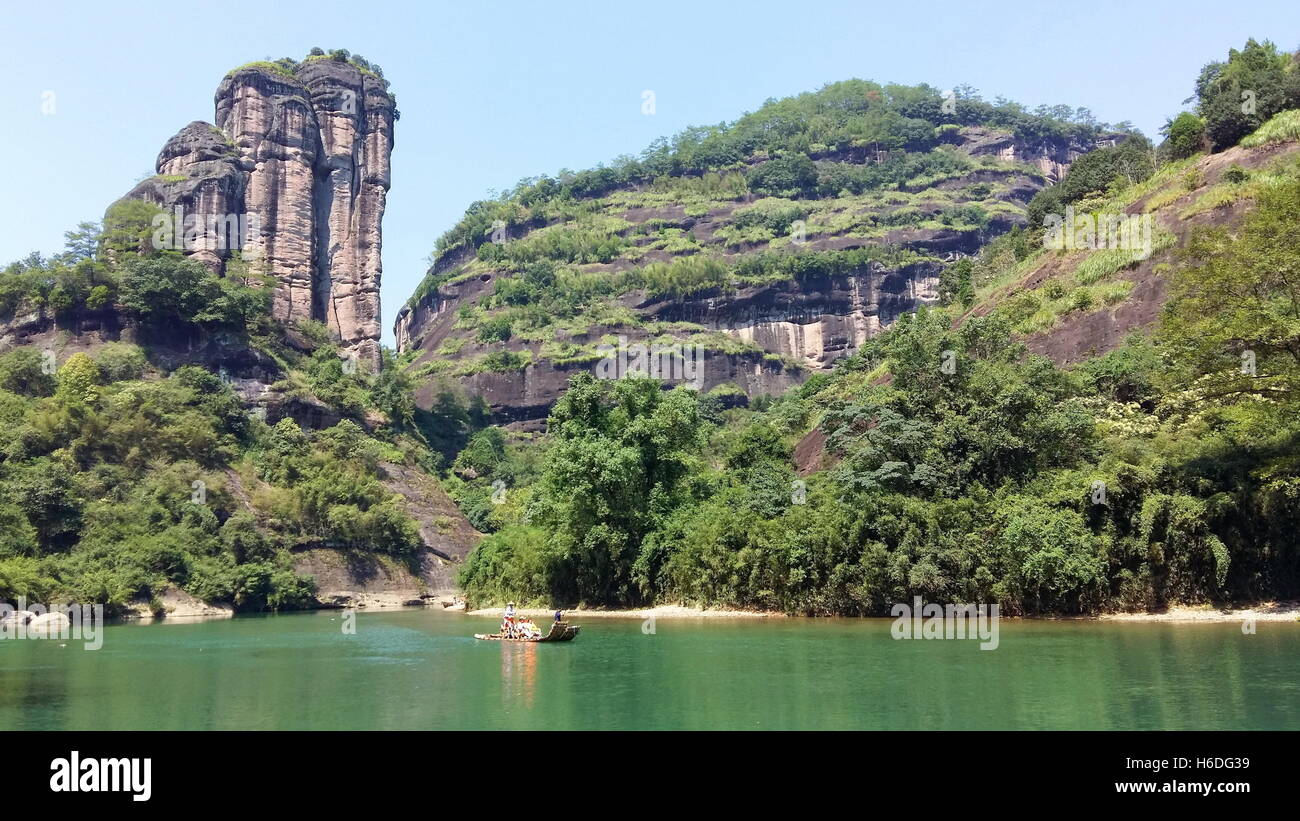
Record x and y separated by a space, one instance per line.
759 337
302 157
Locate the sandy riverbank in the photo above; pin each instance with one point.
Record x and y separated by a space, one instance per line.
1264 611
663 611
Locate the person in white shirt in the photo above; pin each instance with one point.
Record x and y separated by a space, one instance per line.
508 626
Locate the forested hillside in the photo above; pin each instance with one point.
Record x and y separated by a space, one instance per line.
1150 460
125 471
778 242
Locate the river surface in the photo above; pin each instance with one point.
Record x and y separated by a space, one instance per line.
422 669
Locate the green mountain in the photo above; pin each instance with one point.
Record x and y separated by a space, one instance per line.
779 242
1107 424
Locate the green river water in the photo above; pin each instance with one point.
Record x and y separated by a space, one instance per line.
422 669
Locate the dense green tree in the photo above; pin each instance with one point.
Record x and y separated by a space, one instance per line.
1184 135
955 284
28 372
620 454
1238 96
78 380
789 175
128 227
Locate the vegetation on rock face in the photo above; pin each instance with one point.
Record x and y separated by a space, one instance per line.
1093 176
289 67
855 179
122 476
979 482
775 148
1283 127
955 465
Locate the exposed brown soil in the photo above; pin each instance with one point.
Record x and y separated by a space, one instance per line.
1079 336
810 452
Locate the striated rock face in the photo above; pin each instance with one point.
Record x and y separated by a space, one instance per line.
199 173
273 126
1051 157
304 160
797 327
353 175
814 322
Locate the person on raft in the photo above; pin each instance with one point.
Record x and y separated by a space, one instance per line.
508 624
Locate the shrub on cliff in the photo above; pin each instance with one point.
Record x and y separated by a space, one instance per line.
1184 135
1094 173
167 288
25 371
853 115
128 227
788 176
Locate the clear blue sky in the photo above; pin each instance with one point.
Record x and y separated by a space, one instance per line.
492 92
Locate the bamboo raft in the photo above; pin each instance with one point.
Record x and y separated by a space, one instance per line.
560 631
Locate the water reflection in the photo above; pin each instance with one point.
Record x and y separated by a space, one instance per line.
518 672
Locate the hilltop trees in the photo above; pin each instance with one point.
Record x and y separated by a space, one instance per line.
116 264
1238 96
779 141
787 176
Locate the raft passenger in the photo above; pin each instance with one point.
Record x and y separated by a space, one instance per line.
508 625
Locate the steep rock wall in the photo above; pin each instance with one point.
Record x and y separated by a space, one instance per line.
306 158
814 321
